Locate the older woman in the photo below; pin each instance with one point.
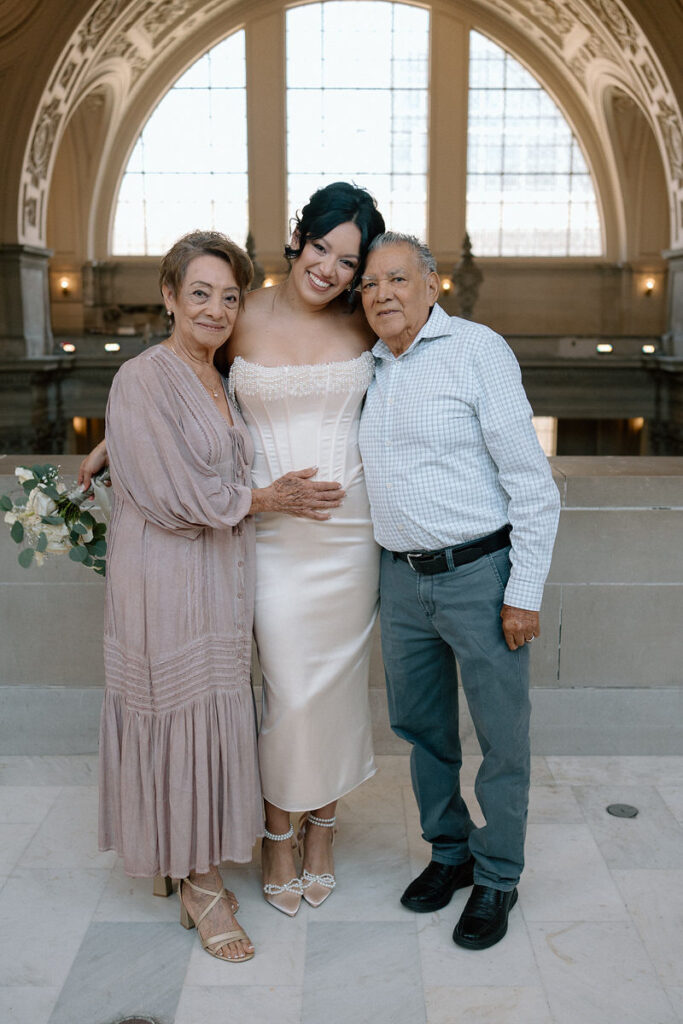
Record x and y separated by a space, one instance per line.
179 775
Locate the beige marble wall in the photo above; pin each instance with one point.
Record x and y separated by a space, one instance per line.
606 671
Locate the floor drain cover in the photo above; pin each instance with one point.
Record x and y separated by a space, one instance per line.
622 810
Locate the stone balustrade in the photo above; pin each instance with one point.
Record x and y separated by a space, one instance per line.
607 671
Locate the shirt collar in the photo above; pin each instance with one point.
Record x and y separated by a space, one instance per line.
437 326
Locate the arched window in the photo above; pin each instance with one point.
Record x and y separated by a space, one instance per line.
357 104
529 191
189 166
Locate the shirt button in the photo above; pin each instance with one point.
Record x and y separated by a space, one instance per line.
388 487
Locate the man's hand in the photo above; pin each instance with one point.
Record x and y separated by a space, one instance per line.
519 626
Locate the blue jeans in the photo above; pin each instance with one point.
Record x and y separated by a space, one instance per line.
427 623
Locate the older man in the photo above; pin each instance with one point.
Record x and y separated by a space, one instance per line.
465 509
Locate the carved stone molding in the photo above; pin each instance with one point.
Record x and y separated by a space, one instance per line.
42 142
673 138
97 23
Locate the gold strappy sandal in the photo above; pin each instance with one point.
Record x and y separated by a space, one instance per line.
215 941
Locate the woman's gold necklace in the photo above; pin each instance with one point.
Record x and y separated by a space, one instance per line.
208 387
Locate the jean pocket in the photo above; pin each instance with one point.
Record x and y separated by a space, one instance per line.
499 562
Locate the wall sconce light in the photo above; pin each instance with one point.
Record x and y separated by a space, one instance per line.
604 347
649 286
112 346
446 284
268 282
649 350
64 286
68 346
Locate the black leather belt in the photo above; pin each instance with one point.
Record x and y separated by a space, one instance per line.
428 563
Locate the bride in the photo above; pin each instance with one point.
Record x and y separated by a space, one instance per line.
300 368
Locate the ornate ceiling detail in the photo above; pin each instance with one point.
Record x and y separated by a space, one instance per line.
590 40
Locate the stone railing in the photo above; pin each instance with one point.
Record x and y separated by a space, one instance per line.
607 671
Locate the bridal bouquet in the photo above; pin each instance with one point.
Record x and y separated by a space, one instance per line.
48 519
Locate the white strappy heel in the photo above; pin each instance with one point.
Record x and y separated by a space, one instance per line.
287 897
316 888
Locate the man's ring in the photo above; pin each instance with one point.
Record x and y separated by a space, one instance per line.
530 639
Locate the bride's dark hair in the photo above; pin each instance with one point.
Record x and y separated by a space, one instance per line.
332 205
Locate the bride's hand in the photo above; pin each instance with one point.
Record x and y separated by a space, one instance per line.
297 495
92 464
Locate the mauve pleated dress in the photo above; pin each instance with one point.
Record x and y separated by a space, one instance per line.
179 782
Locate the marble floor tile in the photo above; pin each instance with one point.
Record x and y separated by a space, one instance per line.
494 1004
510 962
676 999
13 842
553 804
377 801
44 915
68 834
653 839
381 958
655 902
27 1004
50 770
132 899
598 973
372 869
250 1004
673 798
566 879
280 943
609 771
120 973
26 804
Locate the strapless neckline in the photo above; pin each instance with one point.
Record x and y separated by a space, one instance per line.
304 366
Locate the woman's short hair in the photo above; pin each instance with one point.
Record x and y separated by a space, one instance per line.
335 204
204 243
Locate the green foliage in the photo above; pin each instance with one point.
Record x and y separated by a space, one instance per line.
78 554
99 530
17 532
52 520
90 521
25 558
6 503
97 547
42 542
79 528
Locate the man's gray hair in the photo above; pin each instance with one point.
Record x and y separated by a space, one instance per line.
422 251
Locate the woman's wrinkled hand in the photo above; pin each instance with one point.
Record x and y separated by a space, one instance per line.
92 464
297 495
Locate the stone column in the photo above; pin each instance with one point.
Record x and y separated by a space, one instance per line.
668 430
25 330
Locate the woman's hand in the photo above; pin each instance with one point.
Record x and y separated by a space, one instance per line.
92 464
297 495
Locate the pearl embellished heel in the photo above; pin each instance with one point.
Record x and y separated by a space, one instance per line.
287 897
316 888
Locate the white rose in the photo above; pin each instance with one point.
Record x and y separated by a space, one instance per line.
23 474
40 503
57 537
10 518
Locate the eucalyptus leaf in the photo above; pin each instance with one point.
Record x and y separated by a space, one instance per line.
25 558
88 520
89 561
99 530
97 547
39 470
42 542
79 528
6 504
51 491
78 554
52 520
29 485
100 572
17 532
75 538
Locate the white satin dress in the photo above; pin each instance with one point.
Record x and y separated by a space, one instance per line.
317 582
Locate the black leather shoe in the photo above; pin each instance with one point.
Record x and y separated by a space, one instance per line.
434 887
484 921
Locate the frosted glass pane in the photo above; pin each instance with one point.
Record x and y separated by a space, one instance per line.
364 117
201 183
521 152
196 77
228 67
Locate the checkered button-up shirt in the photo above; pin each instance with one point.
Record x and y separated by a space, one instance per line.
450 452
